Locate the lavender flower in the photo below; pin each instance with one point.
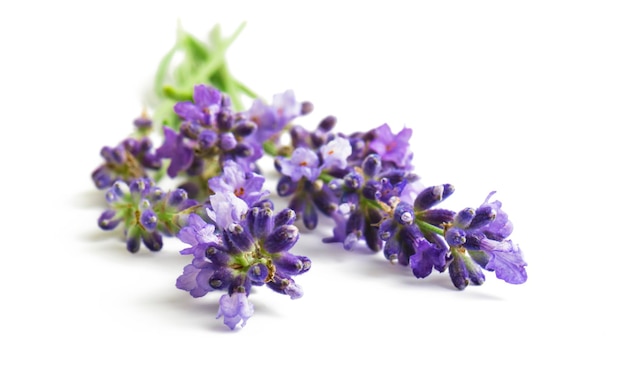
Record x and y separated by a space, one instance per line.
130 159
302 163
206 105
195 278
146 212
240 246
199 234
427 238
273 119
226 208
477 239
246 185
210 134
235 238
392 148
365 195
407 244
235 308
178 150
305 177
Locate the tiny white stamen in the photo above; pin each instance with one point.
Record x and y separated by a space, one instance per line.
406 217
344 208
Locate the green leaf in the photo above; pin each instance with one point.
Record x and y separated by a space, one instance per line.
218 58
176 94
162 69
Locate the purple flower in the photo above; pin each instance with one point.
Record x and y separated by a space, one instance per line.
505 258
235 308
335 153
411 190
339 230
500 227
174 147
252 250
477 240
226 208
286 286
199 234
427 256
392 148
195 280
244 184
271 119
302 163
145 211
206 104
407 244
130 159
364 193
210 135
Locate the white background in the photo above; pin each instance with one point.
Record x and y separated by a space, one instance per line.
525 97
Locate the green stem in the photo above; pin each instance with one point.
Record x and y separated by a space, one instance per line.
161 73
230 88
217 60
426 227
326 177
269 147
176 94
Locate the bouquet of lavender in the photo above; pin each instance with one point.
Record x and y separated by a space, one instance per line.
192 169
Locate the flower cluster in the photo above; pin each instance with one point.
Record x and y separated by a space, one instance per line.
364 182
242 243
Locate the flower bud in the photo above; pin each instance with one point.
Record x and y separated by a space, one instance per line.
221 278
432 196
285 217
258 273
458 272
149 219
153 241
305 108
286 186
244 128
404 214
285 286
260 221
282 239
464 217
372 164
455 236
484 215
437 216
288 263
106 221
239 237
328 123
227 141
217 254
207 139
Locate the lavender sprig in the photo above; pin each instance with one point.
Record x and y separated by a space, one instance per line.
146 212
211 147
242 243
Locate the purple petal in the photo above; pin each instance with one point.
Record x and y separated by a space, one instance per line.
189 280
235 308
336 152
197 231
206 97
505 258
226 209
188 111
